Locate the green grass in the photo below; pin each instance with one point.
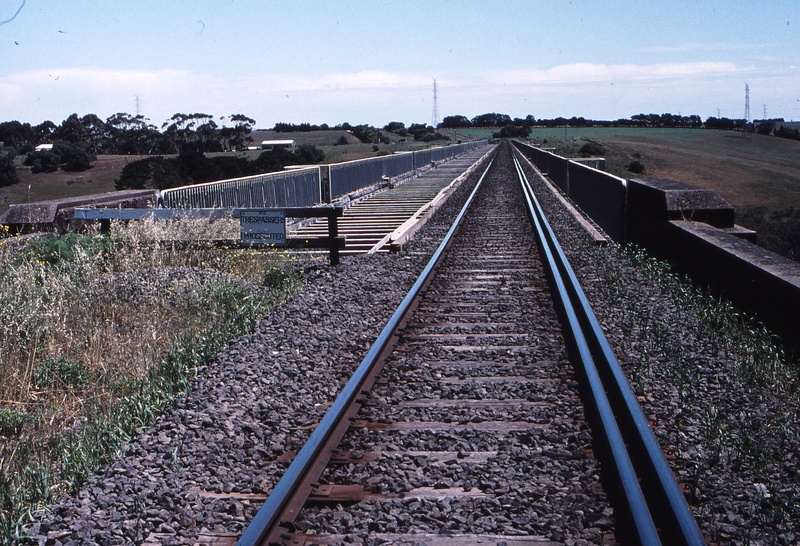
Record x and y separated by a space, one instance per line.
746 170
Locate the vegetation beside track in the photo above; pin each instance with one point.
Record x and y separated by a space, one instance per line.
737 409
100 333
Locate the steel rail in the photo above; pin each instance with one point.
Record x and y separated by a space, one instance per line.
652 499
268 518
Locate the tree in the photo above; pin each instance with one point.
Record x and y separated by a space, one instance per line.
513 131
765 127
491 120
71 130
368 134
455 122
306 154
419 130
240 136
152 173
74 156
395 127
44 132
42 162
16 135
133 135
8 171
95 133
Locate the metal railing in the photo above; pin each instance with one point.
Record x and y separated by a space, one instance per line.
304 187
298 188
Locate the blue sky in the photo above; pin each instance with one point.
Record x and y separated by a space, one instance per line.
374 61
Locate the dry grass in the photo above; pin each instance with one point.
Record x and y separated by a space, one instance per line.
92 326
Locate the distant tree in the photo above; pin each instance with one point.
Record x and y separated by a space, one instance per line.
71 130
395 127
242 128
74 156
765 127
307 154
368 134
341 141
95 133
44 132
513 131
636 166
150 173
181 129
17 136
491 120
42 162
420 131
298 128
208 137
8 171
273 160
133 135
785 132
456 122
725 123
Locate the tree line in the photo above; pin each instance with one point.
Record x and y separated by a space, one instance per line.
77 141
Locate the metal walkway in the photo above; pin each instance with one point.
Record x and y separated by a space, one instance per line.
382 221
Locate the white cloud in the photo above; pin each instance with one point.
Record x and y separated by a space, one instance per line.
603 91
587 72
694 46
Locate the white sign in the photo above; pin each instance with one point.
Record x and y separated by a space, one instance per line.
264 227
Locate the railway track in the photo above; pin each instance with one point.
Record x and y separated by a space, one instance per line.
464 424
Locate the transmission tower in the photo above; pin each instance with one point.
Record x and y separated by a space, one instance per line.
138 106
765 112
435 114
746 103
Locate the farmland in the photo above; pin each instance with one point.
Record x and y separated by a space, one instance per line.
748 170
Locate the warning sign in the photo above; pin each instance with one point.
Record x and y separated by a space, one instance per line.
263 227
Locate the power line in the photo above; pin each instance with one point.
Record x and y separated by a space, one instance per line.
435 114
746 103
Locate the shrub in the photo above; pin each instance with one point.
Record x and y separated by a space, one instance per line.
591 148
8 171
42 162
306 154
11 422
636 167
60 373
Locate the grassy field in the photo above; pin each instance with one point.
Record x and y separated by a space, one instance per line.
60 184
745 169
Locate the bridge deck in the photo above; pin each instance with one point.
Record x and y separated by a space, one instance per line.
369 222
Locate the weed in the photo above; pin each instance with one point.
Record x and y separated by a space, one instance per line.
60 372
99 334
11 422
